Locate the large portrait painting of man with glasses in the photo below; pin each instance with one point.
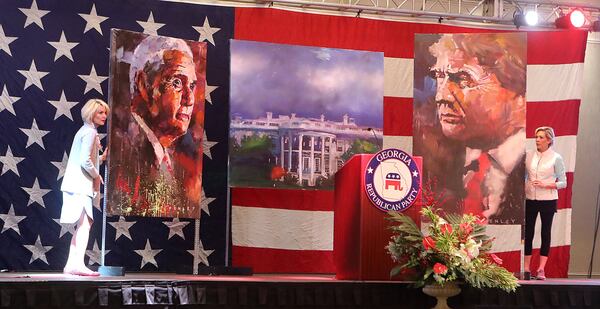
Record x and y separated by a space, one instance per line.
469 121
156 126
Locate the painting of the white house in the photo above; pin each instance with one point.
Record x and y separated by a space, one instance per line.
299 113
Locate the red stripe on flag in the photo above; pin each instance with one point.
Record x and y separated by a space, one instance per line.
562 116
557 47
558 261
565 195
265 260
397 116
511 260
395 39
314 200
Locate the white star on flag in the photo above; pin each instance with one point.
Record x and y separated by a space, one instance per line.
10 162
95 254
206 32
61 166
176 227
207 145
207 91
36 194
65 227
33 76
34 15
122 228
63 47
38 251
11 221
148 255
63 107
5 40
7 102
150 26
205 201
200 255
34 135
93 21
93 81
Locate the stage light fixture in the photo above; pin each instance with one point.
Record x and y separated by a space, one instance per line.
596 25
531 18
519 18
575 19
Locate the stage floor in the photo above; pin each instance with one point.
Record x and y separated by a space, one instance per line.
56 290
6 277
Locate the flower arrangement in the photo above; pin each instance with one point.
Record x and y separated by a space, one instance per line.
454 248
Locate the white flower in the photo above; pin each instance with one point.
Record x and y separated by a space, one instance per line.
467 251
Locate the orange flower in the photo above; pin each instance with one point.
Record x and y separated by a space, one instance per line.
440 269
428 243
277 172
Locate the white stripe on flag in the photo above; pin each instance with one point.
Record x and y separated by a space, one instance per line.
565 145
544 82
282 228
508 237
399 142
561 229
554 82
398 77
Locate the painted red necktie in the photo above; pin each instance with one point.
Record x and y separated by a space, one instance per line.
473 202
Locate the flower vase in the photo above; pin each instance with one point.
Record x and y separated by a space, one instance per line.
441 293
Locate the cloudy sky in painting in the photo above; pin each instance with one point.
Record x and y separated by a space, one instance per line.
308 81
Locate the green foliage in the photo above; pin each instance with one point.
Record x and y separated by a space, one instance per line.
251 160
290 179
360 146
453 248
255 145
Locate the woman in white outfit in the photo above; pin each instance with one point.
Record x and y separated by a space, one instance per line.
545 176
81 184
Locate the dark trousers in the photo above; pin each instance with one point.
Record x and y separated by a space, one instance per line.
546 209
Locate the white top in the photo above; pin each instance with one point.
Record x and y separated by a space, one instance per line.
83 165
547 167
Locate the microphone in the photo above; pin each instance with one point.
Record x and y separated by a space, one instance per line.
375 136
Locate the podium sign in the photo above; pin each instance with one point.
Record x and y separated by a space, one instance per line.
365 189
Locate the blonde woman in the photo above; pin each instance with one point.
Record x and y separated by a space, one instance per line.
545 172
81 184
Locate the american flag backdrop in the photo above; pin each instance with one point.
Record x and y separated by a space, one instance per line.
54 56
287 231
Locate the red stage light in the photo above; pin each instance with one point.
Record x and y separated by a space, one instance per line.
575 19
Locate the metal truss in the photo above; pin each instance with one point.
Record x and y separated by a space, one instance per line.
499 12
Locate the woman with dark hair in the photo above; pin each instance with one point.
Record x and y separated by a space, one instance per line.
545 175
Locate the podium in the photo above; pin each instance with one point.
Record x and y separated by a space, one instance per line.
361 230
